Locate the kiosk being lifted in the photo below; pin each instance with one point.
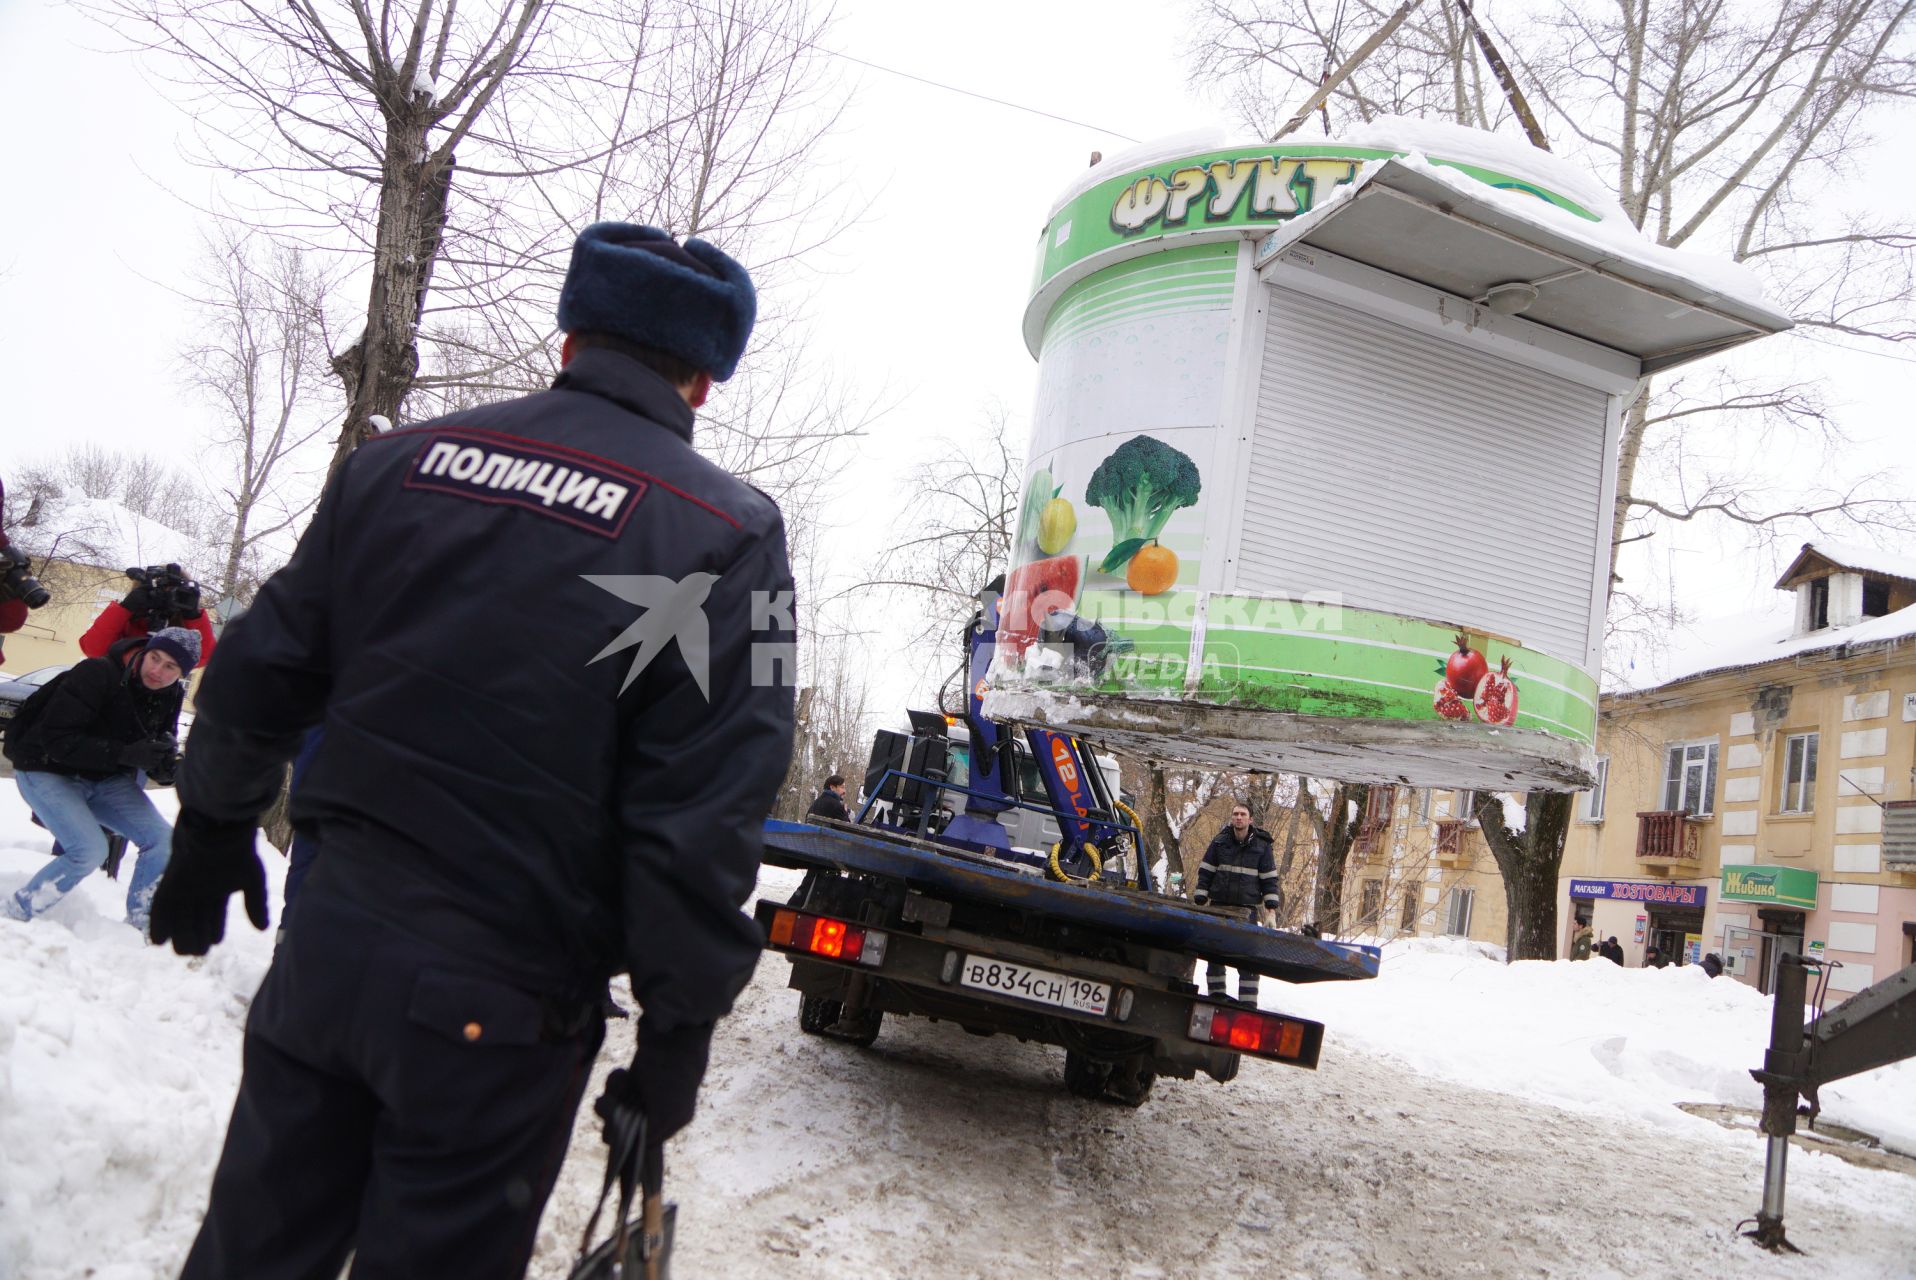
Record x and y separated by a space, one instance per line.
1326 442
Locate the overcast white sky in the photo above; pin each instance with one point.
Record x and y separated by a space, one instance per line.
919 300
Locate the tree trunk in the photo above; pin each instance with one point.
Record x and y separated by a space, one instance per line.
1628 450
1335 834
379 369
1160 842
1528 861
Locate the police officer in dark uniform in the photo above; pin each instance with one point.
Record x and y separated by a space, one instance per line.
550 646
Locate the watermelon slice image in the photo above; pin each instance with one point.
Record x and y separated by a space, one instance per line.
1033 592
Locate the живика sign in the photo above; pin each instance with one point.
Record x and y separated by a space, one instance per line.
1782 886
1665 895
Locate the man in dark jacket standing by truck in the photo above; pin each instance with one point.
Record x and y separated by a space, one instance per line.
1239 870
550 645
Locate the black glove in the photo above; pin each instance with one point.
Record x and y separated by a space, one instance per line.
662 1082
149 753
211 861
139 601
163 773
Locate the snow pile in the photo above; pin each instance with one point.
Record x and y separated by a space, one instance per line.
1749 639
103 533
118 1065
1501 153
1583 1035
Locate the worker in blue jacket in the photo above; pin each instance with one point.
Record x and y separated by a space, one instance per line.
550 645
1239 871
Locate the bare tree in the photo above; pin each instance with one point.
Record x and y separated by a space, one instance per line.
833 733
451 151
955 532
262 364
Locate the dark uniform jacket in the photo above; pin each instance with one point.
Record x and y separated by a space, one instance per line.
1240 873
828 805
90 714
463 614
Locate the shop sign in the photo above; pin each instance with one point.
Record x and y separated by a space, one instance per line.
1693 948
1779 886
1816 949
1656 894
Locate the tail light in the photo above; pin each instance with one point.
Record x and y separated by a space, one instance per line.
1264 1035
824 936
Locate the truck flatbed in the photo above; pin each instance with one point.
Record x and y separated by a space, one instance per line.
1170 923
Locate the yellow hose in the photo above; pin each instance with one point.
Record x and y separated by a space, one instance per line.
1090 850
1137 844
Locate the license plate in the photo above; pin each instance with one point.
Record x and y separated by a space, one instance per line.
1040 986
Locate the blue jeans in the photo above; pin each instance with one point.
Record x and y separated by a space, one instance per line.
74 810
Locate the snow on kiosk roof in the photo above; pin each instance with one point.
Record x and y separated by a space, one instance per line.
1326 436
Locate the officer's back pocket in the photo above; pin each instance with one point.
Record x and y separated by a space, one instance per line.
476 1011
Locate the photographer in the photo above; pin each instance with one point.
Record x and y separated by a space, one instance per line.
78 746
19 589
165 597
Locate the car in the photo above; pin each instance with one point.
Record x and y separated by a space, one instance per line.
15 690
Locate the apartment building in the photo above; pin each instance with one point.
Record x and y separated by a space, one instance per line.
1419 867
1758 799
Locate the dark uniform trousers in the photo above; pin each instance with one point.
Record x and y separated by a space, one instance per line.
390 1082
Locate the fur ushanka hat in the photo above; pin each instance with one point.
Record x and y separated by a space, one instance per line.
637 283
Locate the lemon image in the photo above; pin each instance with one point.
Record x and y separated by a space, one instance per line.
1056 525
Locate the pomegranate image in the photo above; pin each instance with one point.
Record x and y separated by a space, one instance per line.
1448 703
1497 696
1465 668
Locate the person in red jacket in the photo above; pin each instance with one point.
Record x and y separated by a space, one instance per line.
19 589
164 597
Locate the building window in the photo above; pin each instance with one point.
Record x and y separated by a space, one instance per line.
1799 774
1457 912
1593 799
1689 777
1371 905
1875 597
1819 604
1409 920
1465 807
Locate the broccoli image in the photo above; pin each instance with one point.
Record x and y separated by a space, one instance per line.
1139 486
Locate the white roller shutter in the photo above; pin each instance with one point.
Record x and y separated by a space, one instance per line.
1416 476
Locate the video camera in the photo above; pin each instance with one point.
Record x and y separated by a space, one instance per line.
17 581
170 594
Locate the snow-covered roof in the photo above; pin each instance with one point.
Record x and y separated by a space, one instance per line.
1859 559
1748 640
1500 152
102 533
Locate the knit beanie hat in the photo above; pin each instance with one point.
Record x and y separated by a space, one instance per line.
177 643
637 283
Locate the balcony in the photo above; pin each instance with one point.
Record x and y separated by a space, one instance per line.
1667 839
1370 842
1457 842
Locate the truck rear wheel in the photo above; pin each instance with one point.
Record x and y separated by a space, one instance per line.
1131 1082
1085 1077
816 1013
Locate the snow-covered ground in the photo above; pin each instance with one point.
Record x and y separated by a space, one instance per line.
1468 1119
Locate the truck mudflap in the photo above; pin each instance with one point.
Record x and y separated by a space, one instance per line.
1168 923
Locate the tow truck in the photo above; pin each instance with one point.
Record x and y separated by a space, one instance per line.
925 905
